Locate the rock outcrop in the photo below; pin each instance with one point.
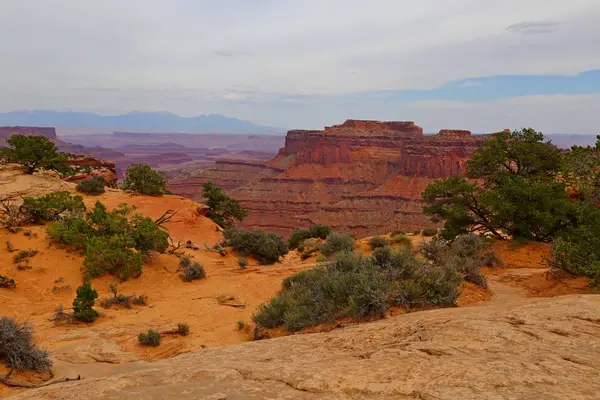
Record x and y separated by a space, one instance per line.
539 349
7 131
93 166
365 177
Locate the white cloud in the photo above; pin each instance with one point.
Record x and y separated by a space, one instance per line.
187 56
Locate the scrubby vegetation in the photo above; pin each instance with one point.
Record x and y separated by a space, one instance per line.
114 241
222 209
337 243
265 247
364 287
378 241
149 338
243 262
530 190
83 305
24 255
191 270
34 153
429 232
183 329
402 240
53 206
17 349
7 283
314 231
140 178
119 299
95 185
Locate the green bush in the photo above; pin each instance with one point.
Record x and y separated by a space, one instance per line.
378 241
148 236
149 338
23 255
183 329
314 231
112 255
95 185
52 206
190 270
140 178
578 250
242 262
265 247
337 243
397 232
84 302
71 231
17 349
33 153
222 209
402 239
429 232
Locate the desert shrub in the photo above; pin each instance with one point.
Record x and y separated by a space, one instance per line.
416 232
429 232
95 185
319 231
84 302
265 247
298 236
24 255
378 241
148 236
307 253
121 299
466 254
71 231
33 153
149 338
7 282
242 262
397 232
337 243
402 239
10 247
140 178
240 325
436 285
222 209
53 205
183 329
190 270
578 250
112 255
17 349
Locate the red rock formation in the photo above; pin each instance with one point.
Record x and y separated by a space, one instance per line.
96 166
362 176
7 131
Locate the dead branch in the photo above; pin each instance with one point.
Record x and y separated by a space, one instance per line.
13 383
165 217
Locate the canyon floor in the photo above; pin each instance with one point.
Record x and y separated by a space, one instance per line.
531 335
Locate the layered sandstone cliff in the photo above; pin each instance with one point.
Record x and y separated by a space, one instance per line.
90 167
7 131
364 177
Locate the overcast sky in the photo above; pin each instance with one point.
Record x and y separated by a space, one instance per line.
474 64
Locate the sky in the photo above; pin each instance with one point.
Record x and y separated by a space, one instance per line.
482 65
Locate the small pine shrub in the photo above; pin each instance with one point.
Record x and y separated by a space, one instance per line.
140 178
402 240
242 262
191 270
314 231
265 247
429 232
24 255
84 302
149 338
112 255
319 231
378 241
17 349
92 186
183 329
337 243
52 206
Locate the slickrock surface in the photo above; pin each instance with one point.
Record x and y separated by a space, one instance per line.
538 349
365 177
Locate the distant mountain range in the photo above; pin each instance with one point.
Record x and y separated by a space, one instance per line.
135 122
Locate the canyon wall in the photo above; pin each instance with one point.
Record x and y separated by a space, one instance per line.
7 131
364 177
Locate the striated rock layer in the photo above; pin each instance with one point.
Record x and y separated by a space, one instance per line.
7 131
364 177
95 166
542 349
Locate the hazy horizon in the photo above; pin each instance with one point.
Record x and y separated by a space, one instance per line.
464 64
